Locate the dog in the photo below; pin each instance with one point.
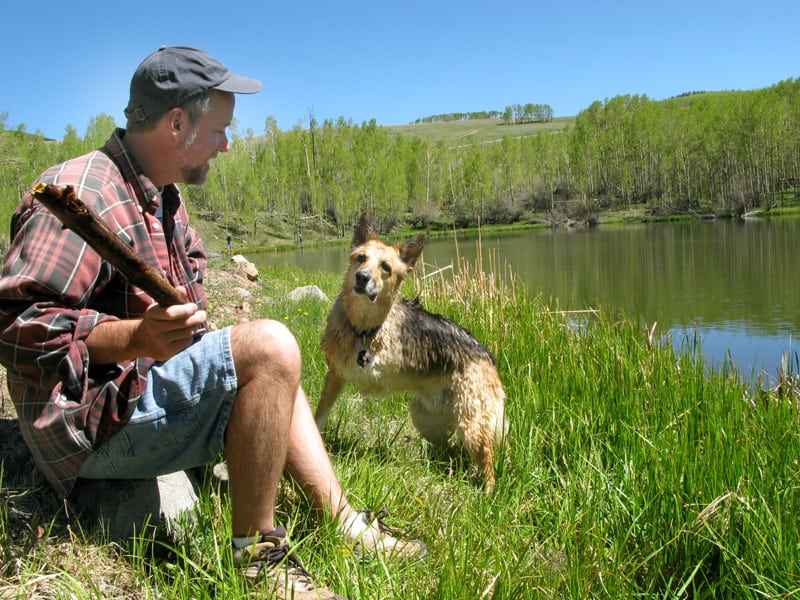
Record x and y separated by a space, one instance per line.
385 344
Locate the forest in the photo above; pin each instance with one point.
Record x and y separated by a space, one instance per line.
710 153
513 114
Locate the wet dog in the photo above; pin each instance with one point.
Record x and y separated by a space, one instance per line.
384 344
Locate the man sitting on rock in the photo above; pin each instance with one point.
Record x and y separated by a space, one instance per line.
107 384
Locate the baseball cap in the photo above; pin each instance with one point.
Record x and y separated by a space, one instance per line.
174 74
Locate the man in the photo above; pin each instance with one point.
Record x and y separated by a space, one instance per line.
108 384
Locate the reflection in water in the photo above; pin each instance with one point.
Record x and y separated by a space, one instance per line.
729 284
752 353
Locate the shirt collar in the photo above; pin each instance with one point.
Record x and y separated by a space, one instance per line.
147 194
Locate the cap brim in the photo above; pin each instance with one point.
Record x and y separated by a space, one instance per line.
239 85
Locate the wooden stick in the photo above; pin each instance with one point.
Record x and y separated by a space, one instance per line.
74 214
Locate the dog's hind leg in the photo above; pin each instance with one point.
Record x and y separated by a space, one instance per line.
479 405
479 442
330 392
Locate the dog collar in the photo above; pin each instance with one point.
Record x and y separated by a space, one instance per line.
364 356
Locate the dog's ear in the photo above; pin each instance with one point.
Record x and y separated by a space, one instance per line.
364 232
410 250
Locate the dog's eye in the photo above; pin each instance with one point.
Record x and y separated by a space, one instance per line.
361 258
387 268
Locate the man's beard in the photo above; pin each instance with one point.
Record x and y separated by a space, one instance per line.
195 175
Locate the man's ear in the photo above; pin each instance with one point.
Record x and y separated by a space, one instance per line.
177 119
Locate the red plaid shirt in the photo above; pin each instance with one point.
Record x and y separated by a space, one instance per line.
54 289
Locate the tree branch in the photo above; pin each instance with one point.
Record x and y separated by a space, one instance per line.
74 214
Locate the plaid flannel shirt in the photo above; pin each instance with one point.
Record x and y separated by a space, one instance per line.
54 289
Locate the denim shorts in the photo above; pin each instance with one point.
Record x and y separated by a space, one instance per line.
180 420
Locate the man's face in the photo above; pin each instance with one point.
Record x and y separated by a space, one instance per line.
205 139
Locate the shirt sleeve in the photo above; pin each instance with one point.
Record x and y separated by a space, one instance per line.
47 281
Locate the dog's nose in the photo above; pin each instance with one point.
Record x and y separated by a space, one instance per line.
362 279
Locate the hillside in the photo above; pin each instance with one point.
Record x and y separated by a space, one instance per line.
634 155
482 130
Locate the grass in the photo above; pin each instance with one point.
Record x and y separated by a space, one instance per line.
632 472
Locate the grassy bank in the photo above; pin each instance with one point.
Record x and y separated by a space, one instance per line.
631 472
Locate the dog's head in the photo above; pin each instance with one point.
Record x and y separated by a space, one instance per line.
376 270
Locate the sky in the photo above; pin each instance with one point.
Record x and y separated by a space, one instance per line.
65 63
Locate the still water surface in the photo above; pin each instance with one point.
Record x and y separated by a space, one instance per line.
730 285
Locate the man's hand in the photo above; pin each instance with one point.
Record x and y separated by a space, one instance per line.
159 334
163 332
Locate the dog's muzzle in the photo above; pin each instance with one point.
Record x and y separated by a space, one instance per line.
363 284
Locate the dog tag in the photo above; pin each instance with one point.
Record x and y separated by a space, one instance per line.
364 358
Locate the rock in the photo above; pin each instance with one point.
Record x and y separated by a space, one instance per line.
134 506
242 293
245 266
307 291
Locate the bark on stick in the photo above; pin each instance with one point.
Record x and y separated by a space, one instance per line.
64 203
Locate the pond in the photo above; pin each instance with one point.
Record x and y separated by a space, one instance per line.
728 285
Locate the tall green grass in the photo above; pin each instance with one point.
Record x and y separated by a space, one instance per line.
632 471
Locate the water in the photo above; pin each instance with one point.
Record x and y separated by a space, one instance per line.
729 285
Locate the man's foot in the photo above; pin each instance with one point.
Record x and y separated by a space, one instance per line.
270 560
368 534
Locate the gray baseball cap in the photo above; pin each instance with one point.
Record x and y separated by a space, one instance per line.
174 74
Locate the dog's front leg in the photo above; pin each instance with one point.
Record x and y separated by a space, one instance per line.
330 392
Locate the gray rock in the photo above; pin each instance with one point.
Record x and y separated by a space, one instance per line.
125 507
307 291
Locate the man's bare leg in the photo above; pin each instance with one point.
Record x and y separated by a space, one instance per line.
272 431
308 464
268 366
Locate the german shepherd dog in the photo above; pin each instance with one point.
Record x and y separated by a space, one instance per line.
385 344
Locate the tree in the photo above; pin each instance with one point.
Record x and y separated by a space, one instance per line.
99 130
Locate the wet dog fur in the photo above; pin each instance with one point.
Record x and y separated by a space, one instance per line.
384 344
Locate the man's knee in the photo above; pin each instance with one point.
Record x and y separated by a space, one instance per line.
265 347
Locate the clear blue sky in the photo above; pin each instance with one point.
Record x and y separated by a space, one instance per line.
64 63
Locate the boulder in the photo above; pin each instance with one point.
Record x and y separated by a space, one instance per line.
125 507
307 291
245 266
